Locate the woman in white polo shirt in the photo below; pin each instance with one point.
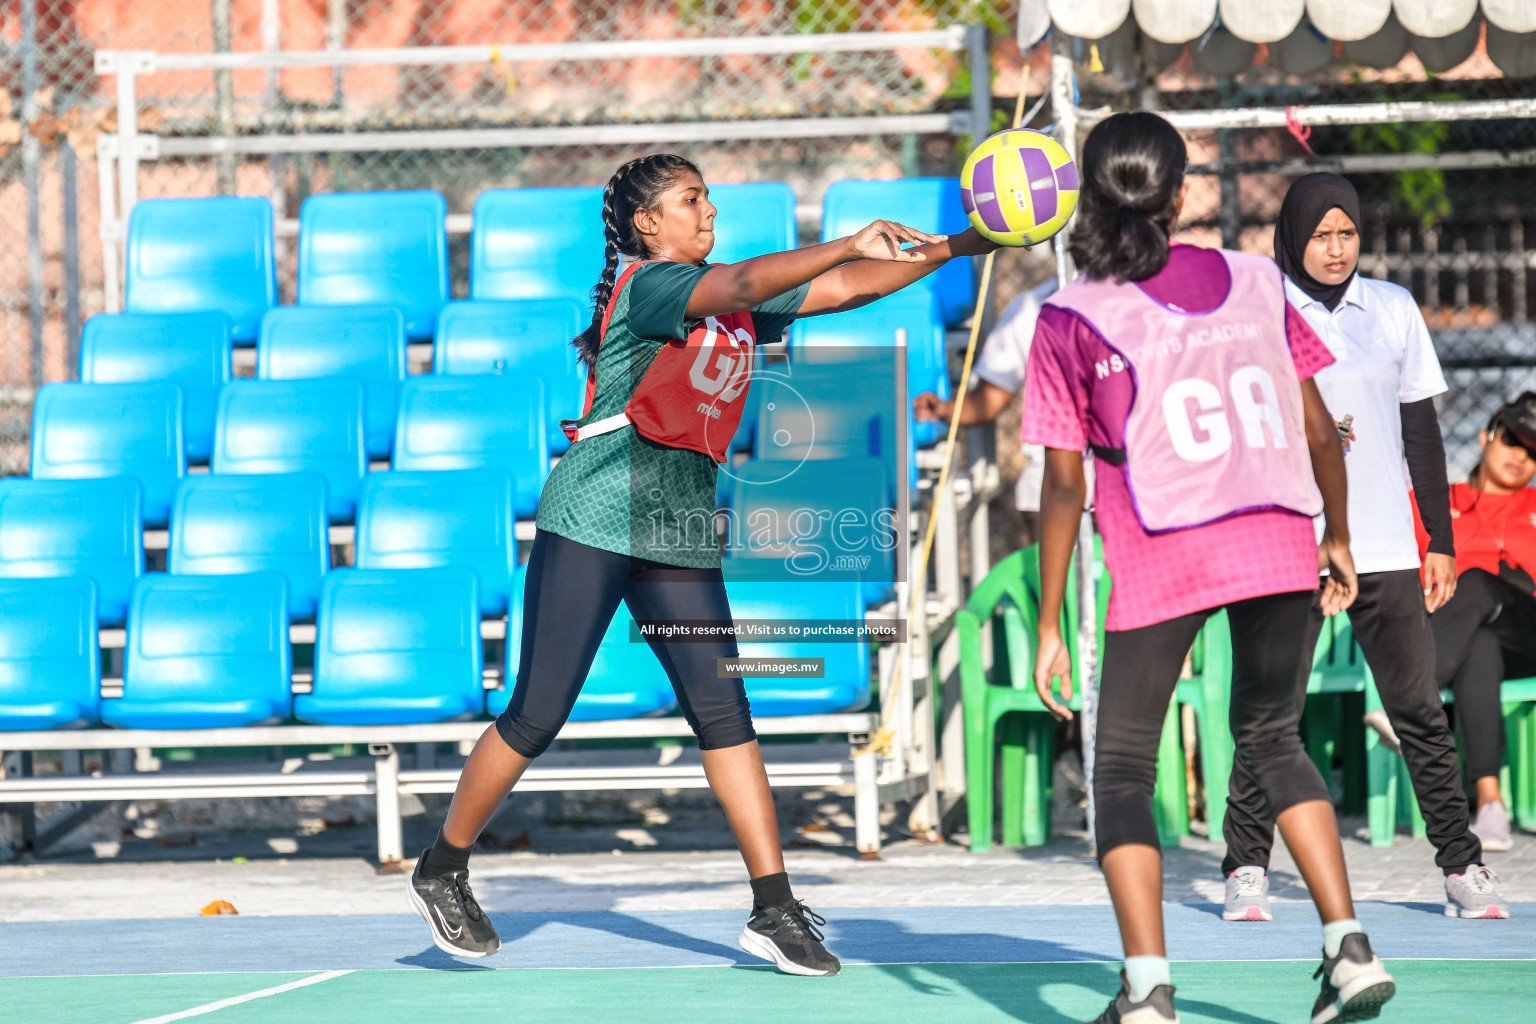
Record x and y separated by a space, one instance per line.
1383 380
999 375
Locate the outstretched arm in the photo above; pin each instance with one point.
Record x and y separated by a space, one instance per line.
1061 511
983 404
858 284
746 284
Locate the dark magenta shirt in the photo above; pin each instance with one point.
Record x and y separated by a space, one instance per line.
1072 399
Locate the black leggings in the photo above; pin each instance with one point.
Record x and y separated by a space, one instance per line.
1484 635
571 595
1141 669
1392 628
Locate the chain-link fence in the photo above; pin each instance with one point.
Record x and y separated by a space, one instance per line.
54 106
1453 232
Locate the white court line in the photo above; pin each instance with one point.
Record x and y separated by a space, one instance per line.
198 1011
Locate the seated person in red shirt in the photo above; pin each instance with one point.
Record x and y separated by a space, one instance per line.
1486 632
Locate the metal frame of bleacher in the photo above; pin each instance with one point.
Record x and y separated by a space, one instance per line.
384 779
910 771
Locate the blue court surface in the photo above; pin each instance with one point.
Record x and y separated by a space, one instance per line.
1052 964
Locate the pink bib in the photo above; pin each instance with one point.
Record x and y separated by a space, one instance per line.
1216 425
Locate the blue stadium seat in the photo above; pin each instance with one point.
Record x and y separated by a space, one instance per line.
376 248
50 666
95 430
396 646
845 685
227 525
528 337
365 342
206 652
202 254
191 350
808 410
838 337
927 204
75 527
464 517
823 519
626 680
295 426
754 219
465 422
537 243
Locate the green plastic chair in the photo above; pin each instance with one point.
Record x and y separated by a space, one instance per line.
1337 668
1391 794
1208 692
1011 593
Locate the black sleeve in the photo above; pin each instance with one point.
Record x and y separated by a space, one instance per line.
1425 452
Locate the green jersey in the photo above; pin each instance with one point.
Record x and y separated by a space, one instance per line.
619 491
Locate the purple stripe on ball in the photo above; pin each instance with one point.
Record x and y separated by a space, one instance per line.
966 200
984 192
1066 177
1042 183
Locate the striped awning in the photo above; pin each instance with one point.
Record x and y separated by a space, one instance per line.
1301 33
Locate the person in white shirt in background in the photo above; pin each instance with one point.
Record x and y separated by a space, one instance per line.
998 376
1384 379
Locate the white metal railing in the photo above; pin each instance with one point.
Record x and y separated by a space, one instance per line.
142 62
1336 114
385 781
130 147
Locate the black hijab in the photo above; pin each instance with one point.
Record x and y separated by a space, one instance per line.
1303 209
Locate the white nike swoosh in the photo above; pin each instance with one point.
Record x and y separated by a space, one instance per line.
453 933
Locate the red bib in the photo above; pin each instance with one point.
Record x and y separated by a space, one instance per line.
693 393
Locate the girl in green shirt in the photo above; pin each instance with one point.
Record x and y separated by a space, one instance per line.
597 542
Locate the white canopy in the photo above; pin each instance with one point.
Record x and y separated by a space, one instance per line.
1300 33
1269 21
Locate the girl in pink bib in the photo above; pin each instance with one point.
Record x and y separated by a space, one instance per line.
1188 374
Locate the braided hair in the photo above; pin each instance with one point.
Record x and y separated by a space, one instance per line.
637 185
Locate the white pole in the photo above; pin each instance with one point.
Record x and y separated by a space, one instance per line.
127 136
271 42
1062 89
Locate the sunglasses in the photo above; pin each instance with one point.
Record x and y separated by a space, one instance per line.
1509 440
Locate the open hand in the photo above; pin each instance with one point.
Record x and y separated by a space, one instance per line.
1439 576
1341 586
1053 662
883 240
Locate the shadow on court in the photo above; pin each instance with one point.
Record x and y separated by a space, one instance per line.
975 959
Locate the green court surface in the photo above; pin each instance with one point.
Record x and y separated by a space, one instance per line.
1211 992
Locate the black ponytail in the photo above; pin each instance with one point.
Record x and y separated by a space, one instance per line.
1132 170
637 185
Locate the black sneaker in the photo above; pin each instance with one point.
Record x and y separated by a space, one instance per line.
459 926
788 936
1157 1008
1355 984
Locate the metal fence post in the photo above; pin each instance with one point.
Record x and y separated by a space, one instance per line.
31 156
224 93
127 70
386 768
69 189
1231 212
108 227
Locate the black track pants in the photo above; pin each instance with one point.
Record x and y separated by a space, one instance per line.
1484 635
1141 669
571 595
1394 634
